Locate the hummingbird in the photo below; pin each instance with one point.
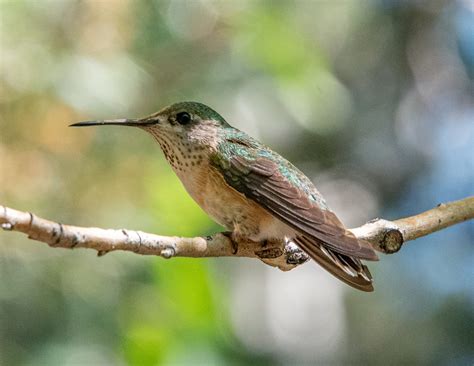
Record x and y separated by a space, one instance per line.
251 190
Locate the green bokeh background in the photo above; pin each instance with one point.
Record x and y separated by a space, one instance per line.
372 99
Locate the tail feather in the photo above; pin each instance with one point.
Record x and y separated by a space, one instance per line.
346 268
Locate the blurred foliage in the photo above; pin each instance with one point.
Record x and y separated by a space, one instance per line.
372 99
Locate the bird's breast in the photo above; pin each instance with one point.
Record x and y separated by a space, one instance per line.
229 207
220 201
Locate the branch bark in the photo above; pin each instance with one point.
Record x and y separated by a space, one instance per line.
386 236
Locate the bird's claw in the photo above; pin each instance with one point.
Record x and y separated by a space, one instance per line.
235 245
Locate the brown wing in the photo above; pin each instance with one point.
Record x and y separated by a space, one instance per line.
261 180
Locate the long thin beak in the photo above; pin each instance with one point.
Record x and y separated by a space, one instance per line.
117 122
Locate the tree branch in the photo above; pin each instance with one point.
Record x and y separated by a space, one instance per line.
386 236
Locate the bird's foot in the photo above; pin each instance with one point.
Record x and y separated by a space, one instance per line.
270 249
233 242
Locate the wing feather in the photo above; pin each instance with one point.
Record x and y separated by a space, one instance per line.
259 174
261 180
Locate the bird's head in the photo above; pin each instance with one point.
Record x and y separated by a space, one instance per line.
190 122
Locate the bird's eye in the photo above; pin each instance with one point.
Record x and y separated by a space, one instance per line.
183 118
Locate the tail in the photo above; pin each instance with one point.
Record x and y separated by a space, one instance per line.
348 269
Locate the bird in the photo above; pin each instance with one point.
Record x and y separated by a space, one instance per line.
251 190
